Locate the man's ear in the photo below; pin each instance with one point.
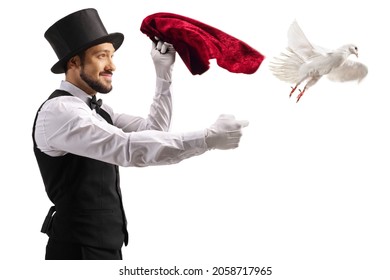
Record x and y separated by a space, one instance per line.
74 62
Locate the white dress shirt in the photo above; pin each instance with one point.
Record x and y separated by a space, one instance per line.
67 125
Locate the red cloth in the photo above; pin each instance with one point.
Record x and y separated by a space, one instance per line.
197 43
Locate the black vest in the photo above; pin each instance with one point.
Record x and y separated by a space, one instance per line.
86 195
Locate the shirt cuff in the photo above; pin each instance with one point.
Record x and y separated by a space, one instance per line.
195 139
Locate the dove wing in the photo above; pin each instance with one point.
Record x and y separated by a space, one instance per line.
286 66
299 50
298 42
349 71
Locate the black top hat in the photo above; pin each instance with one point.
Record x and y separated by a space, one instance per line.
76 33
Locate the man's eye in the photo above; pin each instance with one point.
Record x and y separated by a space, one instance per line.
103 55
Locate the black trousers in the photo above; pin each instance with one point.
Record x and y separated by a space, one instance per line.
56 250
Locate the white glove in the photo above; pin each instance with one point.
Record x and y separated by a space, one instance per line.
225 133
163 55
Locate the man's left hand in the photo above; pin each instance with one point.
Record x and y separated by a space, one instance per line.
163 55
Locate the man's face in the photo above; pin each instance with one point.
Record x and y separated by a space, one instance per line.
97 67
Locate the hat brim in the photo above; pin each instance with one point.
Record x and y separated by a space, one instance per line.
115 38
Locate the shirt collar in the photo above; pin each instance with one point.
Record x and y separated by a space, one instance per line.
75 91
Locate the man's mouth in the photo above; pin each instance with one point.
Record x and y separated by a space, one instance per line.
107 75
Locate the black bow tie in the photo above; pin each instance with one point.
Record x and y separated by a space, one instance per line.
95 104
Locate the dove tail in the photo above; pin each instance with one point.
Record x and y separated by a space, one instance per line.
286 66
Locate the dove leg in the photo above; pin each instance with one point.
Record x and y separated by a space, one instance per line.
310 83
294 88
301 93
297 85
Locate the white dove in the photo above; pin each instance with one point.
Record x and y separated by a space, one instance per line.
302 61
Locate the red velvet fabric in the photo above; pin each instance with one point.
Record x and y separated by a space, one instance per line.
197 43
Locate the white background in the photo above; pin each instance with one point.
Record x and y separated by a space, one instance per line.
307 190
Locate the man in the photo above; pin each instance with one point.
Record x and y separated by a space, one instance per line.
79 142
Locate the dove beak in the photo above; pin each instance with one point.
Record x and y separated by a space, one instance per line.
357 55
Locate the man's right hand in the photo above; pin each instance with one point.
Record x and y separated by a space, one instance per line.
225 133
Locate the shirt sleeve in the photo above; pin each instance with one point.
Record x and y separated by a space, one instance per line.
67 125
159 117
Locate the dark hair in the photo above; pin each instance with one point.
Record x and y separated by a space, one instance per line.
82 57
